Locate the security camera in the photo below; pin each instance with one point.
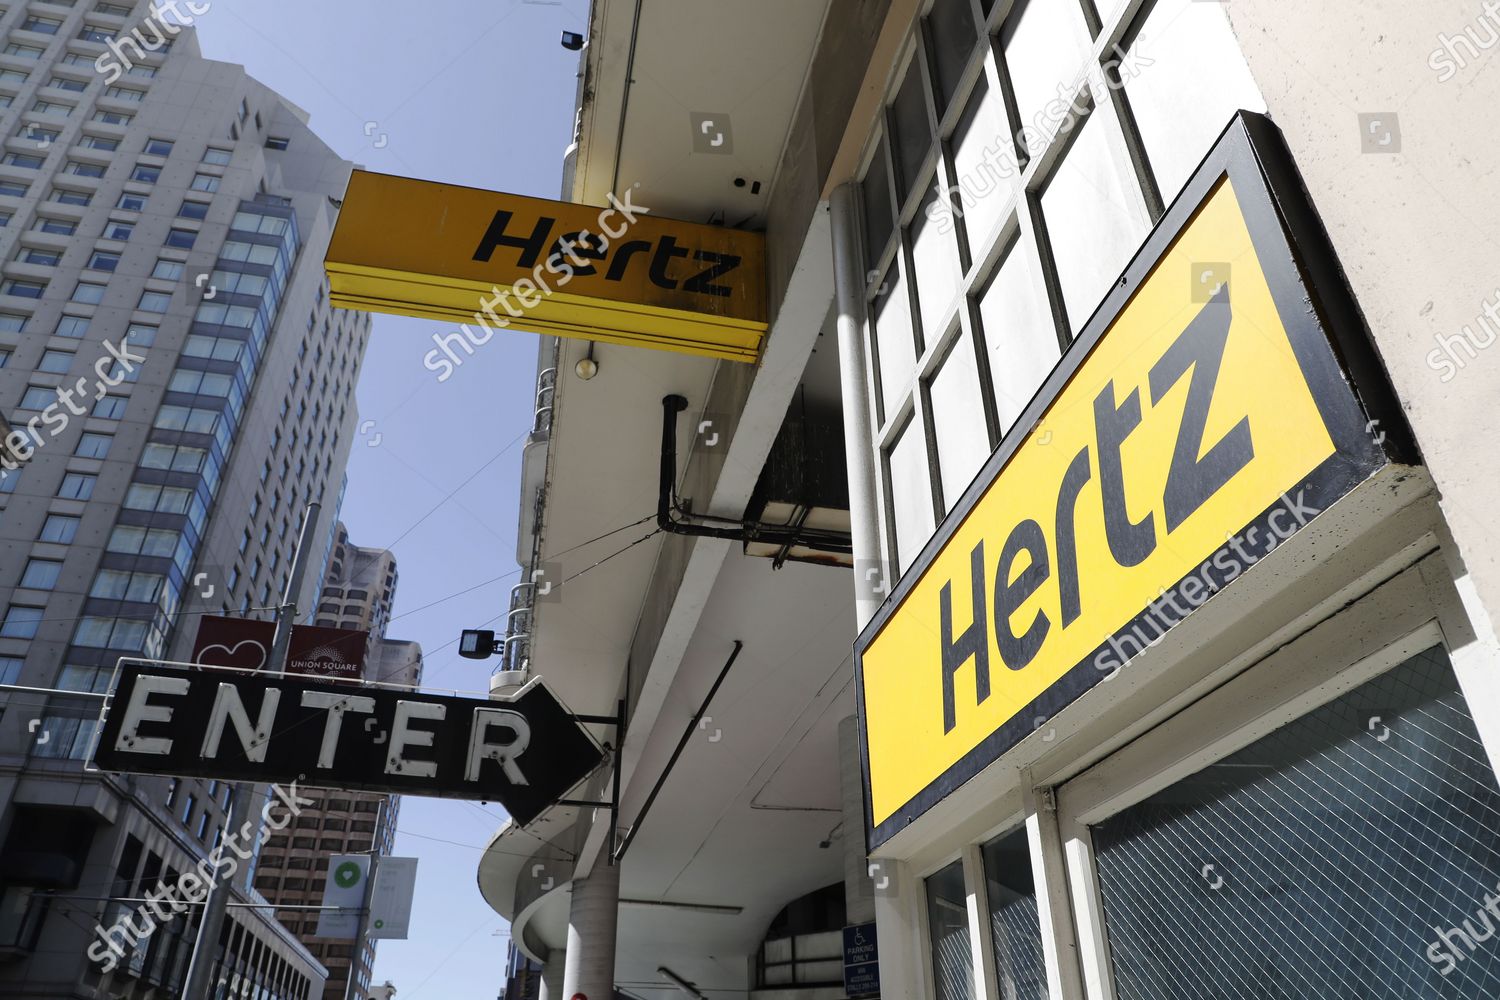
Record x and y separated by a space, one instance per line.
572 41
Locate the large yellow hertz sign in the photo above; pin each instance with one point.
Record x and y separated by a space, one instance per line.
1203 416
615 273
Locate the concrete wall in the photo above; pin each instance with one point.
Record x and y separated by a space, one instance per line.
1415 224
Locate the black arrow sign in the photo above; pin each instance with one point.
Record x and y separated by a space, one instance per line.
237 726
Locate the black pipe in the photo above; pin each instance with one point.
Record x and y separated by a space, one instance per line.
681 745
781 535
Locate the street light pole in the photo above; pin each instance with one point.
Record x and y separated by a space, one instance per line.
357 953
211 925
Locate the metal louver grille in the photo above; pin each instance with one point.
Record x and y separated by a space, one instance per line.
1015 927
1349 855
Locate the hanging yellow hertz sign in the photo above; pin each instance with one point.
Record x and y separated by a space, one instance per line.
487 259
1220 398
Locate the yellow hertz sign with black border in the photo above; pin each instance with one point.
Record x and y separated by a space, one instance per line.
616 273
1222 396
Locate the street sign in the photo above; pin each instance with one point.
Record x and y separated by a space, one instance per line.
1222 396
861 962
524 752
344 889
391 896
327 652
613 273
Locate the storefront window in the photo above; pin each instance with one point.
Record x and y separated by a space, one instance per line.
948 930
1014 925
1352 853
1018 330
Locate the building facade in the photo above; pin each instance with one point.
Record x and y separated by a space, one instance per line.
181 391
359 588
1154 334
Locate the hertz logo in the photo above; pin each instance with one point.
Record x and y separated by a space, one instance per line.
573 253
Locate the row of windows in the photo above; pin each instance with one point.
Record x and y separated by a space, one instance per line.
998 213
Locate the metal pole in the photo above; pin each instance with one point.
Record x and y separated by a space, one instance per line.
201 966
854 379
358 951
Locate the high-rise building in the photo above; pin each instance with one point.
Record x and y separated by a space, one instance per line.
181 390
358 590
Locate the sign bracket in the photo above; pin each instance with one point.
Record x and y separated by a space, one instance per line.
613 803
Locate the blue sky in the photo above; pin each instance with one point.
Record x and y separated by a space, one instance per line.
475 92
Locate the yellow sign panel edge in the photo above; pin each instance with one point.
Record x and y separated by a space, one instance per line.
378 290
1331 346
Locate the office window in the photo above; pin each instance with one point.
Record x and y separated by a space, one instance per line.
154 302
24 51
159 147
68 84
205 182
24 289
106 117
142 70
92 445
56 362
20 622
190 806
103 260
38 397
13 189
193 210
12 322
277 142
110 407
126 94
57 227
72 326
59 528
117 9
131 202
121 231
79 169
47 258
145 174
26 161
168 270
89 292
182 239
5 218
39 135
100 142
1015 928
15 76
89 33
77 486
52 109
10 669
215 155
42 25
65 197
140 335
41 574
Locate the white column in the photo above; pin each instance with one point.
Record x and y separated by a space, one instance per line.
589 964
854 380
552 976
